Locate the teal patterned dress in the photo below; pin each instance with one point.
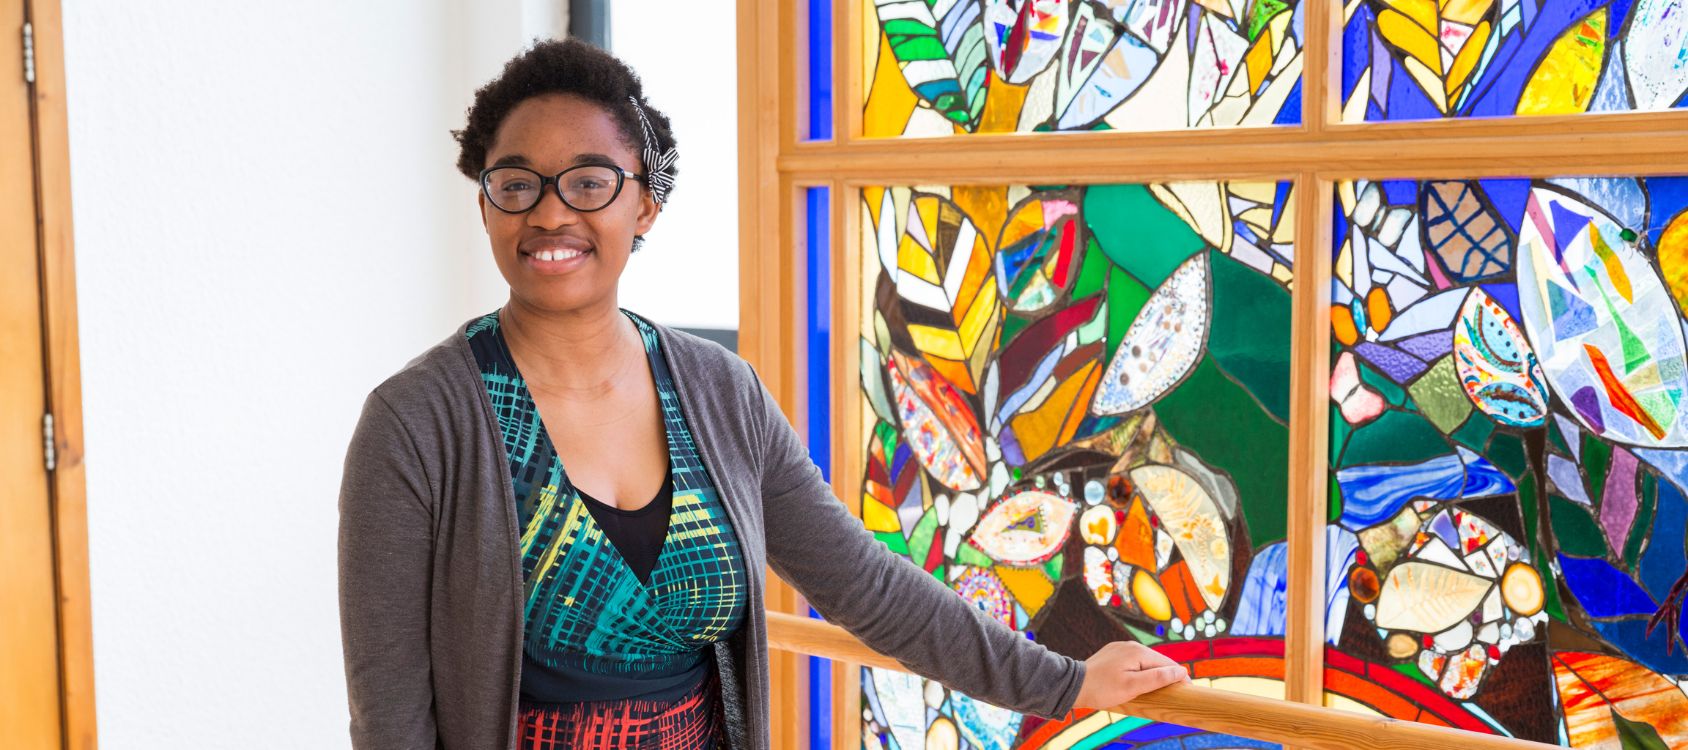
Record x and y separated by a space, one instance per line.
604 654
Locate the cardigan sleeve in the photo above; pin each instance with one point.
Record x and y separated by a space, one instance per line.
885 600
386 545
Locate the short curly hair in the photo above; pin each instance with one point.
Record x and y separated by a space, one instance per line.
559 66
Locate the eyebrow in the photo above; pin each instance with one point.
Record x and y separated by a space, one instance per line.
517 160
512 160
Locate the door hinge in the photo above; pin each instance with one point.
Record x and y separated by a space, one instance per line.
28 52
51 444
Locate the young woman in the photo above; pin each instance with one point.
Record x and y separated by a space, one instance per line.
555 524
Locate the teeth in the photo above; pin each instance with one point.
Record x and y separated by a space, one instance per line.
556 254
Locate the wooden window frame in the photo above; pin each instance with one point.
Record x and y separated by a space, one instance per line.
774 164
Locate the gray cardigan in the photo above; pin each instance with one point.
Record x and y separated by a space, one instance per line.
431 581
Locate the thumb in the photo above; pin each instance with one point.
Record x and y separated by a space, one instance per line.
1154 679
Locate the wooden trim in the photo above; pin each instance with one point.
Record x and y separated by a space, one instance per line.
1204 708
847 89
1309 436
846 421
1339 155
64 378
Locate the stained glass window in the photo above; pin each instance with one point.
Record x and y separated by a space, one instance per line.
1509 455
1074 406
1418 59
942 67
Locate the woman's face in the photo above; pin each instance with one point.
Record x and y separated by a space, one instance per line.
586 251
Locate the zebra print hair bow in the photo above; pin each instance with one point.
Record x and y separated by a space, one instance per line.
659 166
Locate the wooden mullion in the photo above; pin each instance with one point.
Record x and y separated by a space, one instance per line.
1309 436
846 421
847 86
64 378
1317 58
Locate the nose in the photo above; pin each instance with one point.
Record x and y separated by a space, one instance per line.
551 212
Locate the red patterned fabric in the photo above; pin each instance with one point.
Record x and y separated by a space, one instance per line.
691 723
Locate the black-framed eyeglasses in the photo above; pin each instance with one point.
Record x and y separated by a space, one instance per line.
586 188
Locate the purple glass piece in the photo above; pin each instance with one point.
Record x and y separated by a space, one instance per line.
1588 405
1618 503
1382 68
1406 100
1011 448
1567 224
1429 346
1399 366
1443 526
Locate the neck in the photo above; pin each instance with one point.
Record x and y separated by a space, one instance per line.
575 350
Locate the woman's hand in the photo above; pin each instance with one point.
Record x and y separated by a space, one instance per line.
1122 671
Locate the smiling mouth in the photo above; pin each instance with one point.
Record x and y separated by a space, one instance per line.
558 254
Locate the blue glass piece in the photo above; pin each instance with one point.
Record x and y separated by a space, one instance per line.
1356 49
1290 112
1338 231
1511 198
1226 742
1604 591
1483 478
1375 493
1407 101
1157 731
1281 198
820 70
1443 526
1621 197
1400 192
1669 197
1664 560
1340 546
1506 295
1611 93
818 283
1514 70
1243 231
899 458
986 735
1263 607
1567 224
931 90
1474 101
872 697
1017 256
1620 13
1373 114
1653 652
1297 25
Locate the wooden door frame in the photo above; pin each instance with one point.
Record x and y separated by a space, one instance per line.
69 492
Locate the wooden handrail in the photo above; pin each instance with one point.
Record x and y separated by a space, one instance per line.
1292 724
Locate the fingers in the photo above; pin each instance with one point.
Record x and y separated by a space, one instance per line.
1148 658
1147 680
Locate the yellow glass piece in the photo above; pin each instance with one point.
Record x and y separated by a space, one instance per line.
1420 12
1264 687
1673 257
1468 56
877 517
1614 267
1044 427
1467 12
914 259
1259 61
873 196
1564 82
1218 6
891 101
1403 32
1028 585
1521 588
942 735
1003 102
986 205
954 372
1150 597
978 316
978 270
1027 220
927 208
940 342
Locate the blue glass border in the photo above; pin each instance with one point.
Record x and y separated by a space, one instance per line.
820 70
818 334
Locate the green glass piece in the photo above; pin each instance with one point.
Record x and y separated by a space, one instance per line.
1011 325
894 540
1015 473
1575 530
967 554
1556 437
1218 420
1552 606
1260 13
1391 392
939 572
911 48
1092 272
1339 432
1440 397
1507 452
887 440
1410 669
1643 519
1137 232
1333 504
1396 437
1142 636
1636 735
1661 405
1596 460
1052 566
1628 234
1249 333
1475 433
1126 296
1529 503
1109 733
925 533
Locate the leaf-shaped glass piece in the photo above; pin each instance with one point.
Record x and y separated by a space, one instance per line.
1567 76
1597 691
944 263
937 424
1025 529
1602 322
1427 598
1440 45
1024 36
1162 344
1497 366
1190 516
942 56
1658 71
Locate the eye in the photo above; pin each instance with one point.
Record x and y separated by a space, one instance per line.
515 186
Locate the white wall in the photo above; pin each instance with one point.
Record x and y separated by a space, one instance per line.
268 223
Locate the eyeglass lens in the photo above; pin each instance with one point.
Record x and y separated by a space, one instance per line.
585 188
